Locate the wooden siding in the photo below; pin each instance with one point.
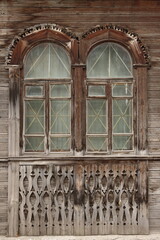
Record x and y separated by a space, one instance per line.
154 196
141 17
3 198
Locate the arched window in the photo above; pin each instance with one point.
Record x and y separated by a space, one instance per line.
109 123
47 99
77 97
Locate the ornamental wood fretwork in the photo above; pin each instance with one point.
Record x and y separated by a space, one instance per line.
112 199
45 200
54 27
127 32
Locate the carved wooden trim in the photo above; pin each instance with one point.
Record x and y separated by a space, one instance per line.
141 73
79 107
128 36
13 198
86 199
14 115
36 29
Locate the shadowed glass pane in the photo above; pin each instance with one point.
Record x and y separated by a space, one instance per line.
60 91
34 116
96 91
109 60
98 144
34 144
47 60
119 90
122 143
97 62
60 144
34 91
60 116
122 116
96 116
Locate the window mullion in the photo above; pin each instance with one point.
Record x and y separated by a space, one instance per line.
47 118
109 97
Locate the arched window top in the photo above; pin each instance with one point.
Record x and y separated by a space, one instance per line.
47 61
109 60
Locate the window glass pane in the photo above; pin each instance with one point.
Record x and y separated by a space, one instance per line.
47 60
96 144
60 91
97 62
109 60
60 116
60 144
96 91
122 116
119 90
34 116
120 62
96 116
34 91
34 144
122 142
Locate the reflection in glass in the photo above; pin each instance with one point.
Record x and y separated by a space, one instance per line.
60 144
120 90
98 90
122 116
109 60
96 116
34 91
60 91
45 61
60 116
34 144
34 116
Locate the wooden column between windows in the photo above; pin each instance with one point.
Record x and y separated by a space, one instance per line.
14 116
79 200
143 198
13 198
142 109
79 103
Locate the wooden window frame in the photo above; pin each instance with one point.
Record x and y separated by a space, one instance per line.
78 50
129 41
109 99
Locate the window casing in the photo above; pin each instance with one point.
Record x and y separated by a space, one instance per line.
47 99
83 88
109 107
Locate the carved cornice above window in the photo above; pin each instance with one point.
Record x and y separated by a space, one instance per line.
131 35
66 32
36 29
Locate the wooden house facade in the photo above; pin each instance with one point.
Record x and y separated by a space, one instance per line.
79 117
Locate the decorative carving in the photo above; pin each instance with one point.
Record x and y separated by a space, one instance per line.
132 35
112 204
55 27
36 29
45 202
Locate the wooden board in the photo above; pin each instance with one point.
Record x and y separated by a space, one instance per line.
95 199
141 17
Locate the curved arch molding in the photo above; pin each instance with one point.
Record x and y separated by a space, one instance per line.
99 29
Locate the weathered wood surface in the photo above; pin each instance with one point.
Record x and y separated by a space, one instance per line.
88 199
3 198
154 196
142 17
13 198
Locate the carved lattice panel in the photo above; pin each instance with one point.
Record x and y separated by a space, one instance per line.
113 201
83 199
46 201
